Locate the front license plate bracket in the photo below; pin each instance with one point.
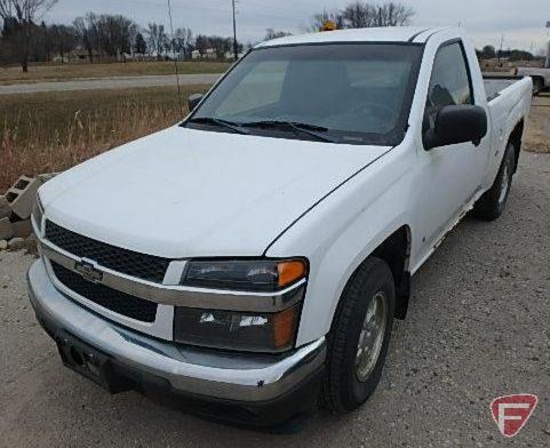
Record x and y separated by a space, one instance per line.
91 363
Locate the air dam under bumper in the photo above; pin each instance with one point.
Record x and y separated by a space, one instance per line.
245 379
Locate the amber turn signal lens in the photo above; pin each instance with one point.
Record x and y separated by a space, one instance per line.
290 272
284 327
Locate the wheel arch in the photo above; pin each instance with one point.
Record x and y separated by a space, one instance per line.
516 139
394 250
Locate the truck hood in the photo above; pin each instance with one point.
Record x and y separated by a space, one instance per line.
189 193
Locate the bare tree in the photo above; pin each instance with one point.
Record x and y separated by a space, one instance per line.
393 14
116 34
112 35
488 52
62 38
359 15
23 14
158 39
181 41
87 31
365 15
221 45
140 46
271 34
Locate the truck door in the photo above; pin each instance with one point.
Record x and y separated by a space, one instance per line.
450 176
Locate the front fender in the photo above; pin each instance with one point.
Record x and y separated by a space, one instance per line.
343 230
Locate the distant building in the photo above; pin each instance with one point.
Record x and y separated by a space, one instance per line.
80 54
209 54
229 56
61 60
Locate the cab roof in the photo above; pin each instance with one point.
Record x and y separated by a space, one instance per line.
400 34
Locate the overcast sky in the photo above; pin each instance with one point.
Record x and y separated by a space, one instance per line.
522 22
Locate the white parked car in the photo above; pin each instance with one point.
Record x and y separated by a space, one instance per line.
255 256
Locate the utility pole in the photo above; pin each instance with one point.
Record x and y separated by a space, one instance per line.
235 47
500 50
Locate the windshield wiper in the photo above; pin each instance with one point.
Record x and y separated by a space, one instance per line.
236 127
305 128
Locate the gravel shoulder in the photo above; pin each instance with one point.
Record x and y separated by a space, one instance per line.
477 328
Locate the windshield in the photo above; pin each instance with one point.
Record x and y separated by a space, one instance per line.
342 93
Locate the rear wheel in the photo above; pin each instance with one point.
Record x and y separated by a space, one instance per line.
360 336
492 204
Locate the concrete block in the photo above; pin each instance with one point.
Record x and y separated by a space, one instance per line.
32 244
5 210
22 195
22 229
17 244
6 229
3 244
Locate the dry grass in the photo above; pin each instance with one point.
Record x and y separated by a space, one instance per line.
537 138
63 72
48 132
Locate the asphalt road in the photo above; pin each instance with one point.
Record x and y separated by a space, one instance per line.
118 83
109 83
477 328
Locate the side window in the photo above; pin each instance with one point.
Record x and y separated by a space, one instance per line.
450 83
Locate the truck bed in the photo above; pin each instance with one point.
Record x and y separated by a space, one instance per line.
509 100
495 85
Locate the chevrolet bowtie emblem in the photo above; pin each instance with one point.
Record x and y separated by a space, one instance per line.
88 271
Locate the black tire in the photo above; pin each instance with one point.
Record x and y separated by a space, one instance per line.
492 204
343 390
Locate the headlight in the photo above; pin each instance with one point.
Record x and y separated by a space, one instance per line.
244 275
38 212
268 332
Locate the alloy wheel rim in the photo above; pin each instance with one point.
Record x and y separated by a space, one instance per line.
371 337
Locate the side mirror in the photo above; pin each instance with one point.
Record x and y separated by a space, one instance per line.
457 124
194 101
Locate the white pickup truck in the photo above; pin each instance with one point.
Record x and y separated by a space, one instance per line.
252 259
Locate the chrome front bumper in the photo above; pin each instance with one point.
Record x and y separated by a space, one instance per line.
225 376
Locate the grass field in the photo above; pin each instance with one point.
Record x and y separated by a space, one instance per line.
14 75
47 132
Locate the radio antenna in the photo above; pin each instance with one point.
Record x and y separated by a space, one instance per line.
235 46
176 58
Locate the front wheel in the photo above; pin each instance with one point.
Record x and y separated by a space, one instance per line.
492 204
360 336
